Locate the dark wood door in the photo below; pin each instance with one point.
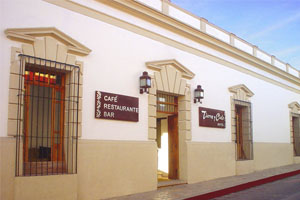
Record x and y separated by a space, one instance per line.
173 146
239 133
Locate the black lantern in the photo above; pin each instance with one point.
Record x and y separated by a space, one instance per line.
198 94
145 83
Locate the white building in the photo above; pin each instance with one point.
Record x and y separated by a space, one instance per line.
66 65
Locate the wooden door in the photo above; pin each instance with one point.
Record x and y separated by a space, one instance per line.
173 146
239 133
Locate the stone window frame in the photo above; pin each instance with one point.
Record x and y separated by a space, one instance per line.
46 43
243 94
294 111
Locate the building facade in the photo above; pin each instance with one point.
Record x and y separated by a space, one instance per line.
74 124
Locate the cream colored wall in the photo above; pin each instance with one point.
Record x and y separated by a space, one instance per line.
58 187
244 167
99 74
268 155
7 167
297 160
31 188
164 126
114 168
105 169
207 160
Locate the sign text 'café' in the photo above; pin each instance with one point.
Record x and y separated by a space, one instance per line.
116 107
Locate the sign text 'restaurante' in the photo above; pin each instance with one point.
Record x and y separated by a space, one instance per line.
116 107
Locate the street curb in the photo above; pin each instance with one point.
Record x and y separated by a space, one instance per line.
243 186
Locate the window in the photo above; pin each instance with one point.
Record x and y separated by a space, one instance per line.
166 103
243 126
47 136
296 134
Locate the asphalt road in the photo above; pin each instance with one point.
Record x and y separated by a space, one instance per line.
285 189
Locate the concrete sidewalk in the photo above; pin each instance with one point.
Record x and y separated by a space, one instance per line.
213 186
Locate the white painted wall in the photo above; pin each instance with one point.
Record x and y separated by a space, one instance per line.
117 60
156 4
184 17
103 71
175 37
280 65
263 56
243 46
217 33
293 72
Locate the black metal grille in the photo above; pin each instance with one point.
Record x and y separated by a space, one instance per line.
47 117
244 132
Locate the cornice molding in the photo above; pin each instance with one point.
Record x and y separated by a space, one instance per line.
147 13
104 17
158 65
236 88
294 105
30 34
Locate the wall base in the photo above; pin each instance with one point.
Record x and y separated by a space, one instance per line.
59 187
7 167
296 159
244 167
208 160
270 155
115 168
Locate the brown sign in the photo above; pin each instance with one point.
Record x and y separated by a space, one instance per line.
116 107
211 118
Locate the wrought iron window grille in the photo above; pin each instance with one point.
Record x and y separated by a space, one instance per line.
47 117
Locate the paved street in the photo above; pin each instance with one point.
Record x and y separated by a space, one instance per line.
285 189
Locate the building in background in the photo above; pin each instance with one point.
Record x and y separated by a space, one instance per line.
76 122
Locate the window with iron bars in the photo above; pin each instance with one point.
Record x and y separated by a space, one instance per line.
296 133
243 130
47 130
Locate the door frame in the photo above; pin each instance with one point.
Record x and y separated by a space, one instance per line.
171 110
184 126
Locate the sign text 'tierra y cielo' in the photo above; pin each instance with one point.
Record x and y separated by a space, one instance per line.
211 118
116 107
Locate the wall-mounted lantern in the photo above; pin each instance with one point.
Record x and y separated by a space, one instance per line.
198 94
145 83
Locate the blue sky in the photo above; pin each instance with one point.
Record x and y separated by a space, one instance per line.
272 25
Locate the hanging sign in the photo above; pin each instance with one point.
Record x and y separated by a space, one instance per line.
211 118
116 107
